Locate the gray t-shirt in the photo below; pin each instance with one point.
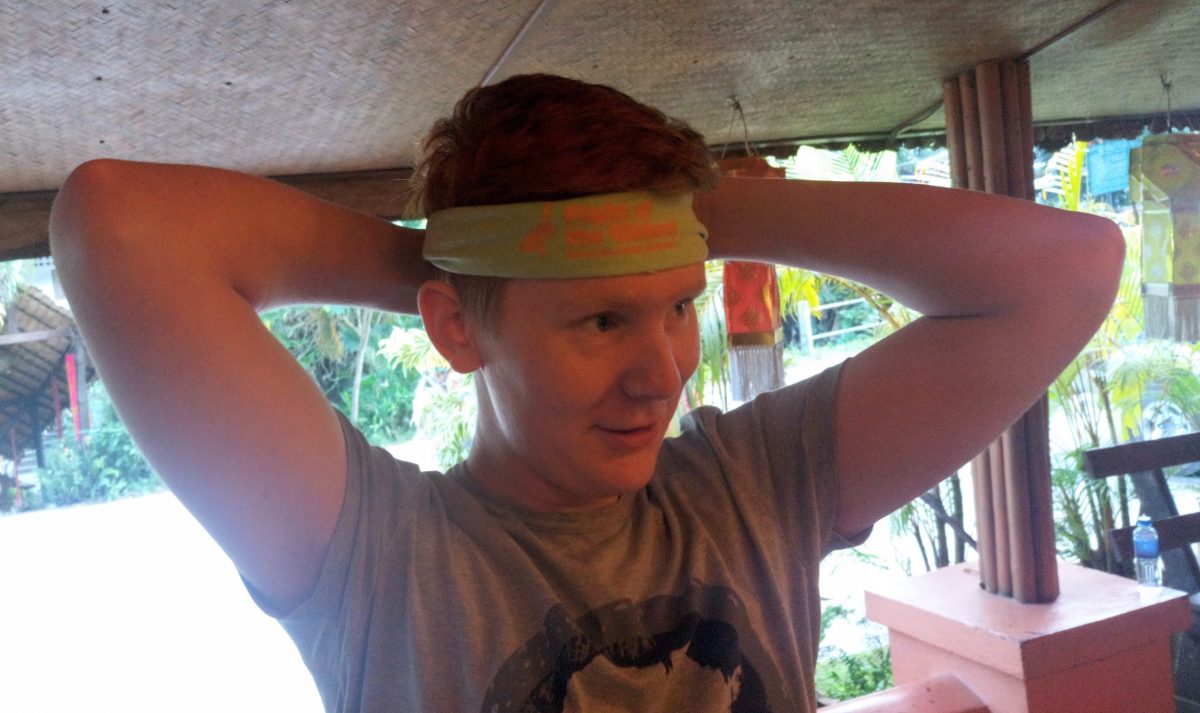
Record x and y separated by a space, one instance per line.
698 593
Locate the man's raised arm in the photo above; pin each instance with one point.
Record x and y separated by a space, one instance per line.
1010 292
165 267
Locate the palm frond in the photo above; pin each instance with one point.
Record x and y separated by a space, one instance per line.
412 350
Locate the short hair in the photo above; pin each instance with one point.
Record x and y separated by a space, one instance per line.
536 137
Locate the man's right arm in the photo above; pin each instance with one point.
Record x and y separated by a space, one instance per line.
165 267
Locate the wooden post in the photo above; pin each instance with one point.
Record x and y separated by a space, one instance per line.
970 118
953 108
39 446
1012 477
991 128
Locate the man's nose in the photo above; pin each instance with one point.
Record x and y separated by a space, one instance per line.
653 371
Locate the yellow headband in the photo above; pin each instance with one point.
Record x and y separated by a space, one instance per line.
593 236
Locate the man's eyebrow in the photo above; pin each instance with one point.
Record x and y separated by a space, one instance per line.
698 288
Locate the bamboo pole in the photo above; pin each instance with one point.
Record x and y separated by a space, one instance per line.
996 480
989 134
1019 153
1022 567
985 522
991 127
1041 501
953 109
970 116
1025 90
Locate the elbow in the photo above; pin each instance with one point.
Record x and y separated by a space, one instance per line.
89 224
1109 257
88 179
1094 270
85 207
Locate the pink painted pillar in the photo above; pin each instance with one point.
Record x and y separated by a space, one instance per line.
1101 646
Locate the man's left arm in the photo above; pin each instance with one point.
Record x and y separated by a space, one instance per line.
1009 292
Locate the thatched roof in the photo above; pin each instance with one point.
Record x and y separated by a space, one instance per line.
290 87
35 336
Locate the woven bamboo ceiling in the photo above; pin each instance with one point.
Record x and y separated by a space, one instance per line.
304 87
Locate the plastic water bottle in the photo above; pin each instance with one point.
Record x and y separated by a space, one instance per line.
1145 552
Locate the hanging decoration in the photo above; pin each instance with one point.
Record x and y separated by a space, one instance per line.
73 393
753 316
1165 186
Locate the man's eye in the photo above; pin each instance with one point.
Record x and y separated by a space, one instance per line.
681 308
603 322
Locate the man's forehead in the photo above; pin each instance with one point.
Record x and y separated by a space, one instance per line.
673 284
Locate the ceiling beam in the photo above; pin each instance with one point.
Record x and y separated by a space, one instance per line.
23 221
25 217
383 193
25 337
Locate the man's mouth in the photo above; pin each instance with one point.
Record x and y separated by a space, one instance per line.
630 437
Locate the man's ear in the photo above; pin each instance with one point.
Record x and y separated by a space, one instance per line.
447 326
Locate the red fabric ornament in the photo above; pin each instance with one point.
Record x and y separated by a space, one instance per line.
753 315
73 391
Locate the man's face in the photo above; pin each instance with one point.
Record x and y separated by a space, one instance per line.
579 382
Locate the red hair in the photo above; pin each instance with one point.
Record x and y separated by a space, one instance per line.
543 137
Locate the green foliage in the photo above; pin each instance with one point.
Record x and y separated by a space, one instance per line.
1155 387
341 348
1062 182
14 275
409 348
1121 387
851 675
105 466
849 164
1084 510
444 405
710 383
841 675
445 412
935 522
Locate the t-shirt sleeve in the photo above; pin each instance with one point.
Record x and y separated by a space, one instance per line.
778 454
380 493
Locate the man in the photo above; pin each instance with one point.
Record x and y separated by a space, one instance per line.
575 560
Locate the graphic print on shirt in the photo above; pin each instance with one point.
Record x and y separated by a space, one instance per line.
694 651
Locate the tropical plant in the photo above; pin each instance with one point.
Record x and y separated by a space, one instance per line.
842 675
104 465
935 520
1121 387
340 348
444 405
848 164
13 276
1061 183
710 382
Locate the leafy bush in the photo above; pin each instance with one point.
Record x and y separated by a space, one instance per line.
845 676
842 675
340 348
444 405
105 466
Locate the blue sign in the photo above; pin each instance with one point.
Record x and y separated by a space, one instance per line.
1108 165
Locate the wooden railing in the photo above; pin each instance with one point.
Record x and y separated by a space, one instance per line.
943 693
